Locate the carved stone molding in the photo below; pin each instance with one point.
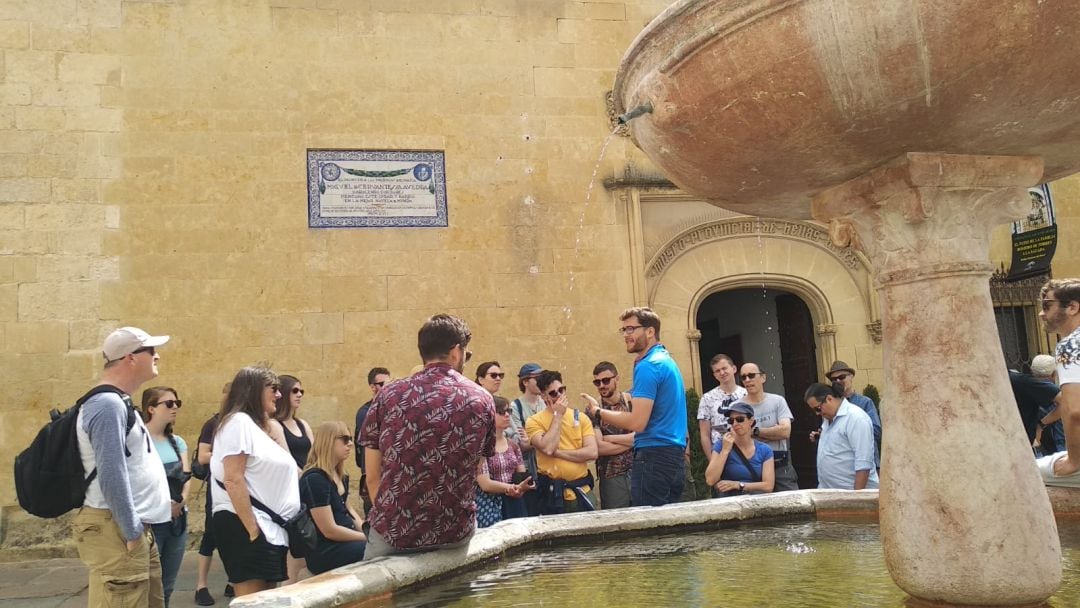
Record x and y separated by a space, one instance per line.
712 231
874 329
613 116
827 329
693 335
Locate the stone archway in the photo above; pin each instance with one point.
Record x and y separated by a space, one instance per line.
796 257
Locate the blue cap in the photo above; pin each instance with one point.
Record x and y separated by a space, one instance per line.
529 369
739 408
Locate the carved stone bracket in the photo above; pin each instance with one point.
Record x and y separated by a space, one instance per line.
827 329
874 329
693 335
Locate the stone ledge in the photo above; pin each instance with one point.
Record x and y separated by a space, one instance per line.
383 576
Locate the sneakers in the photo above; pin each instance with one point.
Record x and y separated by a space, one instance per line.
229 592
203 597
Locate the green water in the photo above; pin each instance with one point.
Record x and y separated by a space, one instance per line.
801 564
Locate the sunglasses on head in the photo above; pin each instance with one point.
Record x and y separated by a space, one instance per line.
749 375
556 392
496 375
603 381
296 390
172 404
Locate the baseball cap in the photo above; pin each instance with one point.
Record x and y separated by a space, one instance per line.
738 408
126 340
529 369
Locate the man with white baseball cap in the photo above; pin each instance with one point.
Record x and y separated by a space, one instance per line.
128 490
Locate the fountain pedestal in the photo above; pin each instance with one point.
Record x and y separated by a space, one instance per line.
964 515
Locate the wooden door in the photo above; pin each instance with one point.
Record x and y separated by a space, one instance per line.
798 358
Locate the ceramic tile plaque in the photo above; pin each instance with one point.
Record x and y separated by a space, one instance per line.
376 188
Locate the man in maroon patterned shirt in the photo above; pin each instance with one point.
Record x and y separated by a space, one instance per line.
422 439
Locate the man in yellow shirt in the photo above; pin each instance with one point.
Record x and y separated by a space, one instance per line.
565 444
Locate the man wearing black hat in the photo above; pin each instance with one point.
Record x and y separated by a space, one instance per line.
841 372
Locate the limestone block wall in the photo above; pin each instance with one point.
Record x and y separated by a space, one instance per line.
152 160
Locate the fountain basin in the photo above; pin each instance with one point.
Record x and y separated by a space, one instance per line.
758 105
378 579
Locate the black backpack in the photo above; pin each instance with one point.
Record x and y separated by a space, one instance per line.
49 475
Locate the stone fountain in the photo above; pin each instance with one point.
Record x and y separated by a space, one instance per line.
912 128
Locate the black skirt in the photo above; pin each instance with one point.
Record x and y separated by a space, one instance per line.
244 559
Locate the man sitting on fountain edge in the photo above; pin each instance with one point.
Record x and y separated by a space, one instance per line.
1061 315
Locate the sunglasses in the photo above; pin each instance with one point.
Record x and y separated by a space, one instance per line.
750 376
172 404
840 377
274 386
379 384
556 393
737 419
496 375
346 438
150 349
502 411
603 381
296 390
1046 305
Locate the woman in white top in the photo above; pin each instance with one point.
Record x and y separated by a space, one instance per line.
251 465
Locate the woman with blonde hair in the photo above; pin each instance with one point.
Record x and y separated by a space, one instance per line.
324 487
256 475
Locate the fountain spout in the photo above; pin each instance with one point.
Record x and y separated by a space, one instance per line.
645 108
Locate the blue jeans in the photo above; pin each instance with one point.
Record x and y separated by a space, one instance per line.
656 478
171 540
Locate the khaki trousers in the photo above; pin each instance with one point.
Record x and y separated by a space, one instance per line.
118 578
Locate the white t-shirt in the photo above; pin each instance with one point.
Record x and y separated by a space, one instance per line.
271 473
709 408
1068 359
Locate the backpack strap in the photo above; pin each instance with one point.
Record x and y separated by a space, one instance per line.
746 463
109 388
521 414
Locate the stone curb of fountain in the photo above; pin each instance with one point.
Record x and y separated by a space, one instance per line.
383 576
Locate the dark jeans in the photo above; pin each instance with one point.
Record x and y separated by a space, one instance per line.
656 478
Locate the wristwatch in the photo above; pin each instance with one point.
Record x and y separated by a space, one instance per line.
756 432
742 486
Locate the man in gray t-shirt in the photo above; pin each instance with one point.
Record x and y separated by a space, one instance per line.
773 424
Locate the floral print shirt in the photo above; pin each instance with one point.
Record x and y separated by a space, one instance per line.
432 429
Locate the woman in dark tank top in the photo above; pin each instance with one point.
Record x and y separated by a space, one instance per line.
297 435
297 432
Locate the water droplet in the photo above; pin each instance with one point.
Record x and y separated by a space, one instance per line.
534 270
529 200
528 137
528 170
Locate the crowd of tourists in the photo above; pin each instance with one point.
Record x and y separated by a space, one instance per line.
441 454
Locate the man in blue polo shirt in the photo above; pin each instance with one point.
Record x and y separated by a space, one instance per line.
658 414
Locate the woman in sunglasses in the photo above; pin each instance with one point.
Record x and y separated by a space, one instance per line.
740 464
159 408
324 487
294 435
489 375
501 479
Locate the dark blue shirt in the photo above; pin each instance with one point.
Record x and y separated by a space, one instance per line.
735 470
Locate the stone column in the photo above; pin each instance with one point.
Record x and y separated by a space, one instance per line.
965 517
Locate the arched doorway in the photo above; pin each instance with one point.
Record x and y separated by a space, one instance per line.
775 329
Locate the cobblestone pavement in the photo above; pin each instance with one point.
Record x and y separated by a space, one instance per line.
61 583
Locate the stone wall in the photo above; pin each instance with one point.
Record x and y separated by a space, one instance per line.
152 172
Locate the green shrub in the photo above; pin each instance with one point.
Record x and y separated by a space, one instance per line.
697 457
872 392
